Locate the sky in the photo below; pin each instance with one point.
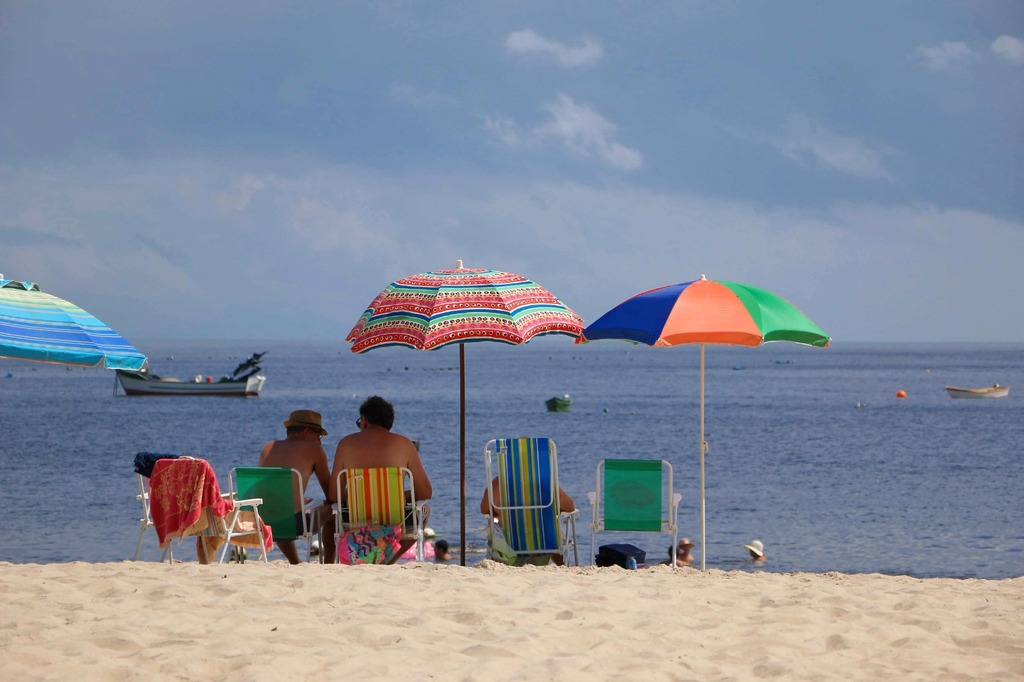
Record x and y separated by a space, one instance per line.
205 169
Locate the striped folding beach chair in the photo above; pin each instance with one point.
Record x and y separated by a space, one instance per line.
527 508
378 497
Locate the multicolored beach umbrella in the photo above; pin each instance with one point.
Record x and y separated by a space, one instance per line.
706 312
38 326
436 309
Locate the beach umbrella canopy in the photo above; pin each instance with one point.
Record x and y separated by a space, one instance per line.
706 312
38 326
436 309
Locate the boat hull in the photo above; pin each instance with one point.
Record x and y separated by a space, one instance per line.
133 385
978 393
558 404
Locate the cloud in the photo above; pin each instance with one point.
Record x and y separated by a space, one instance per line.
529 42
949 56
585 131
578 128
238 198
324 226
810 143
505 129
1009 48
419 98
337 235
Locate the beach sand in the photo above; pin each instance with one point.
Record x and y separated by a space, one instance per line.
255 621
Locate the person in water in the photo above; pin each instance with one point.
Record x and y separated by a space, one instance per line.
441 551
683 556
756 549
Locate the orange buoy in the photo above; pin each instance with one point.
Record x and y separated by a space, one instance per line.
209 380
901 393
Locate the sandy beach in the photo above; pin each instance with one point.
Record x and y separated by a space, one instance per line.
255 621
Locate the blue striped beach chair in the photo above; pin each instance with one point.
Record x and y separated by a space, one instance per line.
527 508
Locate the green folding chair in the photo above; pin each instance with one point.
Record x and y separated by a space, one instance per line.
634 495
531 522
284 508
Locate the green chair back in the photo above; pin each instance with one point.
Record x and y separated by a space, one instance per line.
633 494
277 486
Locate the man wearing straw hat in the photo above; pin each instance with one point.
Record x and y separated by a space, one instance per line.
301 449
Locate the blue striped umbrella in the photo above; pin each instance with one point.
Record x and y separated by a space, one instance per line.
42 327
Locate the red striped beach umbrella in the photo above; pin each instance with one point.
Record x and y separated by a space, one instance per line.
436 309
703 312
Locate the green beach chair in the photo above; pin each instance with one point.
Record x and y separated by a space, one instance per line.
284 508
527 508
634 495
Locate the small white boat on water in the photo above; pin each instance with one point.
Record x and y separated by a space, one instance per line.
246 380
995 391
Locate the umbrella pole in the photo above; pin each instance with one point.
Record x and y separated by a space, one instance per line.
462 453
703 448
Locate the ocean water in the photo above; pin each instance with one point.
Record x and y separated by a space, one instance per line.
810 450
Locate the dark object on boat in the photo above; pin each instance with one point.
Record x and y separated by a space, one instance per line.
557 404
250 366
246 380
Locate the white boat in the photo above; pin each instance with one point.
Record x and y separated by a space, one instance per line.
995 391
246 380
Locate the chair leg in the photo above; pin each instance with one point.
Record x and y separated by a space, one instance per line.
142 535
228 534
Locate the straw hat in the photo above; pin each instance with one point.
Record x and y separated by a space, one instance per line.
757 547
685 543
306 418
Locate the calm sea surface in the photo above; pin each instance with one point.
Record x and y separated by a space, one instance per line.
810 450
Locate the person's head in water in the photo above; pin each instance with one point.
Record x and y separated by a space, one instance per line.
756 549
683 555
441 552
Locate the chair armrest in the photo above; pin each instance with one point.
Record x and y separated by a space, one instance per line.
573 514
251 502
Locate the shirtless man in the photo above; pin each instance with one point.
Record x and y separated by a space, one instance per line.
373 445
301 449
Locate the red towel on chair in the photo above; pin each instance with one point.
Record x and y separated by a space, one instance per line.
184 495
